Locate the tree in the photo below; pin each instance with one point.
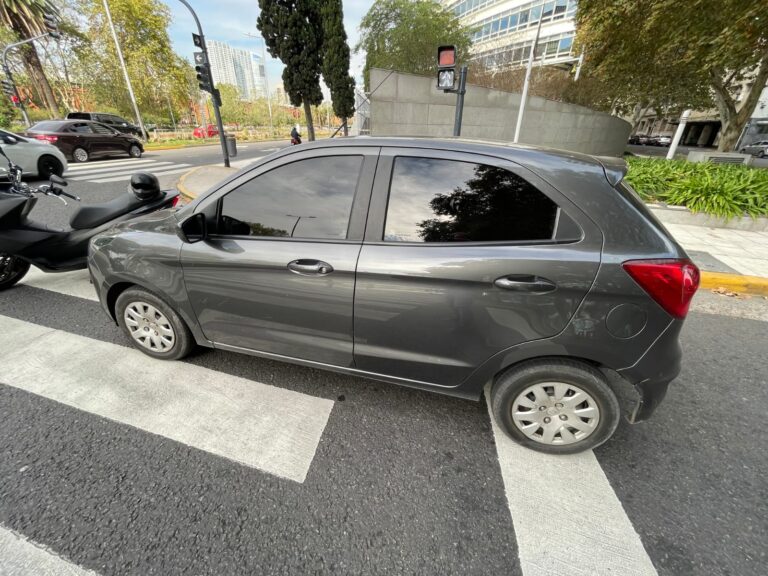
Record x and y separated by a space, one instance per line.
292 30
25 19
672 55
335 66
403 35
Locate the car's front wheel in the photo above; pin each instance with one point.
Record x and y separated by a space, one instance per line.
49 165
153 326
558 406
134 151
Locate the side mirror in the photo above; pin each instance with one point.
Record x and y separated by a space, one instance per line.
54 179
193 229
10 140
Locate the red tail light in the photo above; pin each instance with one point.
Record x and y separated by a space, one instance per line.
177 201
671 283
47 138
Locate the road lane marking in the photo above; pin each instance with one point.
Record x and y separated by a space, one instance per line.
102 163
77 283
83 174
567 518
272 429
165 170
22 557
245 162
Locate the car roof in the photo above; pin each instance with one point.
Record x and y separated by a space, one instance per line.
527 155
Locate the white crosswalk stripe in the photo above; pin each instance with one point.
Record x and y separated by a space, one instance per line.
118 170
22 557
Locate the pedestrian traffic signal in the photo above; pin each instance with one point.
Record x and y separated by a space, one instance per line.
446 67
51 23
15 101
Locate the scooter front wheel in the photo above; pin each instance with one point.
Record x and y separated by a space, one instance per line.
12 269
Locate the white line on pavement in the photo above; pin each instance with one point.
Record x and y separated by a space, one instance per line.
22 557
567 518
81 175
269 428
102 164
76 283
127 175
245 162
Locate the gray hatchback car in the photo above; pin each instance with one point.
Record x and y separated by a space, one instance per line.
443 265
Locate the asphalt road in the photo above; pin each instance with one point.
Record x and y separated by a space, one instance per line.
682 151
170 165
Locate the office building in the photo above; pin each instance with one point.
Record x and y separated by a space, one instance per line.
238 67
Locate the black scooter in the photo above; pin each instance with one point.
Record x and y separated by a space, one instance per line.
24 242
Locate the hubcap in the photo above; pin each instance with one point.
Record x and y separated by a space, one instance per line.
555 413
81 155
149 327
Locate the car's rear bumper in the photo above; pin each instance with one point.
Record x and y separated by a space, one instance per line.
652 373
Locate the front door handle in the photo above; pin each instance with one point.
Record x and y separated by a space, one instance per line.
310 267
525 283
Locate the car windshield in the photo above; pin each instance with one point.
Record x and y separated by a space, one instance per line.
47 127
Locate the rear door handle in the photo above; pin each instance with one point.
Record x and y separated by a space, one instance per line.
525 283
307 267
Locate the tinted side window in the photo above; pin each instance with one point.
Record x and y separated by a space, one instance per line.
306 199
101 129
448 201
80 128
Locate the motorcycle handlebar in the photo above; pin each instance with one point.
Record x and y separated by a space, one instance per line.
67 194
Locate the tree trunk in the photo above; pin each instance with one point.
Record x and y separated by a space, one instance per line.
729 136
346 127
310 126
35 67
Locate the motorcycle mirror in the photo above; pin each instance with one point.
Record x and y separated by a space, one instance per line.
55 179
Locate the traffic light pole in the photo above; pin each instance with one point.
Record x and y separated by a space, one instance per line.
216 110
7 70
460 101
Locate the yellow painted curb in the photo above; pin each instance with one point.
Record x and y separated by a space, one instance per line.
735 282
186 194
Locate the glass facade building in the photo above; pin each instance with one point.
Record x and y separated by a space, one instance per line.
240 68
504 30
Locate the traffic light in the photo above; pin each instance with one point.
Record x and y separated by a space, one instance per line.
446 67
51 23
15 101
8 87
204 80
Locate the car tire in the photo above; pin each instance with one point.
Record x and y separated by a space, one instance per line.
134 151
80 155
556 424
152 325
48 165
12 269
742 151
761 154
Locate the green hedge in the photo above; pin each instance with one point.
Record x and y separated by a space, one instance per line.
721 190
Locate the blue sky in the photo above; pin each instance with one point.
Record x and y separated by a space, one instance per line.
229 21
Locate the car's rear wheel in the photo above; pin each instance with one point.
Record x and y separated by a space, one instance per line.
557 406
80 155
49 165
12 269
761 154
134 151
152 325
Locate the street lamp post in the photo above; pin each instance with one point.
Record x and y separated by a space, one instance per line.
7 70
216 111
526 84
266 79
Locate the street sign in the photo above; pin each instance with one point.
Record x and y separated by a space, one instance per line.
199 58
446 68
197 40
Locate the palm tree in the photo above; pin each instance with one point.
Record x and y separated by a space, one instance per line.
25 19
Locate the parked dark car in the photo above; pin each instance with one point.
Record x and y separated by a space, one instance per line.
759 149
635 139
81 140
113 121
436 264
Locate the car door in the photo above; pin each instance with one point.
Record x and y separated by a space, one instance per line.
276 273
83 137
106 140
464 256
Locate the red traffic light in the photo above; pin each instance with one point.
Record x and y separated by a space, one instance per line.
15 99
446 56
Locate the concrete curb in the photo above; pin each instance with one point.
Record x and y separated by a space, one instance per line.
187 194
682 215
735 283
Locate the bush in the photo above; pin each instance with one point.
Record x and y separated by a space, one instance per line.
726 191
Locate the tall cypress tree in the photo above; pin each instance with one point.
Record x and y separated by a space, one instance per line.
335 65
292 31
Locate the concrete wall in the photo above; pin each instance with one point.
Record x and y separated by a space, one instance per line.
410 105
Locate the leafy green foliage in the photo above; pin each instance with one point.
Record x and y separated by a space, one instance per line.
403 35
721 190
336 59
673 55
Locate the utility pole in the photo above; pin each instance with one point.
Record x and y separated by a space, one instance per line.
526 84
205 79
678 134
266 79
125 71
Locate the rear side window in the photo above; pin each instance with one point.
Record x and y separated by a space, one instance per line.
433 200
101 129
305 199
80 128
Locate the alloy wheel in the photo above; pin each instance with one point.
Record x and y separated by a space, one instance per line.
80 155
149 327
555 413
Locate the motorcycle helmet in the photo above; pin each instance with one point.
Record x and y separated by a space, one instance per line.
144 185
